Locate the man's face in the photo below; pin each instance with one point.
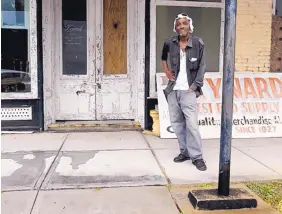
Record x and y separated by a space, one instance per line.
182 26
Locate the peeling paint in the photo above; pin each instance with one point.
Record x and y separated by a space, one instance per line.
76 162
9 166
20 172
48 59
106 162
48 162
29 157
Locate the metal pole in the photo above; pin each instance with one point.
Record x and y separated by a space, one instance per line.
227 97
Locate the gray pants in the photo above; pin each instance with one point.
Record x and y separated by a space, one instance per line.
182 107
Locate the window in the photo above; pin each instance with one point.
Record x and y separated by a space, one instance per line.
208 20
208 30
15 54
19 49
277 6
74 37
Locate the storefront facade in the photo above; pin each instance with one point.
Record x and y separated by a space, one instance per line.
98 60
21 70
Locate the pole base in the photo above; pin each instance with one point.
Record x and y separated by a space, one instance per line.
208 199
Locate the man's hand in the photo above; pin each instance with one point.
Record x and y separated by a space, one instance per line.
170 75
190 90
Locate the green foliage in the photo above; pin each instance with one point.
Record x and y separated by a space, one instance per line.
271 192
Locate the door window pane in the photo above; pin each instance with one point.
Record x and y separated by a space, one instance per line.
74 37
206 23
15 73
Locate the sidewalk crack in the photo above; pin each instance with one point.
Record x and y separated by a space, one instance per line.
39 188
255 159
158 162
164 173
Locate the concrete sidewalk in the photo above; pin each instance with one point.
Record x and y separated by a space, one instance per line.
68 163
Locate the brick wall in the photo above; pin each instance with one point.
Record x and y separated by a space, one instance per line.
253 35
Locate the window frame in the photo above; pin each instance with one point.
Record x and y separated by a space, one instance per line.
154 4
32 56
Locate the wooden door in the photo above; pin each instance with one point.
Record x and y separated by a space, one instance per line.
76 85
114 98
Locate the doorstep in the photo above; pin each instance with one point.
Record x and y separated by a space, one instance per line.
107 126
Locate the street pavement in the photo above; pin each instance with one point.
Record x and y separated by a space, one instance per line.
119 172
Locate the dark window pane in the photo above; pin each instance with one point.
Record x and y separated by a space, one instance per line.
74 37
278 8
14 58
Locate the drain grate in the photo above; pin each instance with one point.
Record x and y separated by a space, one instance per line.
20 113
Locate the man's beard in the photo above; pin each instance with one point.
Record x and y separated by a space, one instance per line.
183 33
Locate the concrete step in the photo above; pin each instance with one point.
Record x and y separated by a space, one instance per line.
109 125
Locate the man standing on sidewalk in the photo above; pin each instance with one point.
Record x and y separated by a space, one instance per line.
186 75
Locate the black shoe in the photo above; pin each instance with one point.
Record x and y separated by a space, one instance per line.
181 158
200 164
